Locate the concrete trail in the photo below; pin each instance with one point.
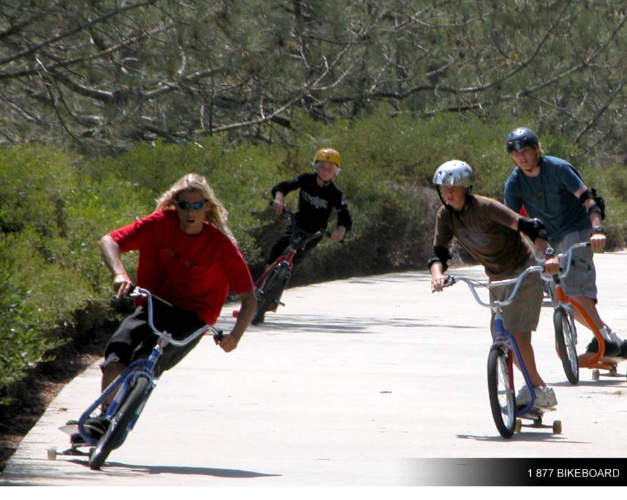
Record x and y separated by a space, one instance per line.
343 386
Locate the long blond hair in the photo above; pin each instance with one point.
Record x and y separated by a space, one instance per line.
216 213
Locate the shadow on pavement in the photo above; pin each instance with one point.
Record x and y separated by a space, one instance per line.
342 325
197 471
618 381
124 469
523 436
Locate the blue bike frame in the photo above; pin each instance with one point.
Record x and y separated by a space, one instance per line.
503 338
139 368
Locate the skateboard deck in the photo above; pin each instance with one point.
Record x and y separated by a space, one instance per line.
75 449
536 414
69 429
72 451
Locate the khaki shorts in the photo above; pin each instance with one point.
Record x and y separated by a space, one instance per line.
581 278
523 314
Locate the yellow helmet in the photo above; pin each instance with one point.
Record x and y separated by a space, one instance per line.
328 154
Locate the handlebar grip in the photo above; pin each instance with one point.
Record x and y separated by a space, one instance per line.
218 335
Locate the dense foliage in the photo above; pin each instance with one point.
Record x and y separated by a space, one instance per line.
55 205
107 73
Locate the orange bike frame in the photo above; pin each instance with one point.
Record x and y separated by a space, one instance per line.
595 362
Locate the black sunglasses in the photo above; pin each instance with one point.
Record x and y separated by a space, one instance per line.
194 205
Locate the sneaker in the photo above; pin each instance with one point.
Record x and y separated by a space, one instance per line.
545 397
95 427
622 344
615 337
523 397
77 440
611 349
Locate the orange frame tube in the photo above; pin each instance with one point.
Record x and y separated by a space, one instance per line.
595 362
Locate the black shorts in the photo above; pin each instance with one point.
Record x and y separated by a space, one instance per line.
282 243
134 339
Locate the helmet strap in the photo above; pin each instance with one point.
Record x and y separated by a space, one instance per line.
468 194
321 182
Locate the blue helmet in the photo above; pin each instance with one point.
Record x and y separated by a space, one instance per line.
520 138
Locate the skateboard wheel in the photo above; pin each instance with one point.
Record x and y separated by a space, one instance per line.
595 374
517 426
52 453
557 427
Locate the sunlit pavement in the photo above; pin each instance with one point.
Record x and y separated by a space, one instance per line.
344 386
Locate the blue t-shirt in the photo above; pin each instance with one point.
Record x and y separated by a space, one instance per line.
549 196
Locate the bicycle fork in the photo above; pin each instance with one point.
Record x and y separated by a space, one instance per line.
121 384
509 345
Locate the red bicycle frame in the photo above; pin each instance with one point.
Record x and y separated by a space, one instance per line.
288 257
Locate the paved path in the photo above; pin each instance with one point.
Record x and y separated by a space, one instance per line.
341 387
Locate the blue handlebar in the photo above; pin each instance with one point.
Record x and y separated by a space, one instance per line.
142 292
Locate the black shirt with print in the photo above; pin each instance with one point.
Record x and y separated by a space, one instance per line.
315 203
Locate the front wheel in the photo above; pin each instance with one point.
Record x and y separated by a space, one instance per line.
116 433
501 390
565 341
270 291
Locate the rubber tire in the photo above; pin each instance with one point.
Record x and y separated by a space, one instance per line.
563 331
495 358
116 433
271 291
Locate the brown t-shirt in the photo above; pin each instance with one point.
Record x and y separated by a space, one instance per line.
483 229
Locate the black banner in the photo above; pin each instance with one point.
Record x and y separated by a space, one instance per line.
518 472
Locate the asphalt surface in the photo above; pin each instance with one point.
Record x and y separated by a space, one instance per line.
347 385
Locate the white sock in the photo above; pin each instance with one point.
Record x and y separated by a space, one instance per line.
605 332
610 336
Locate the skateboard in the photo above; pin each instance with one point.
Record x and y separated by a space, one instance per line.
609 363
76 449
535 415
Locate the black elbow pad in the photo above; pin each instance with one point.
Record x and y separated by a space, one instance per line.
534 228
440 254
599 202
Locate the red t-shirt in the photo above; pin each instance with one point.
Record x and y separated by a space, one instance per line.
192 272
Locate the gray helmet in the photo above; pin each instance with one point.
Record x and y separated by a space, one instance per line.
454 173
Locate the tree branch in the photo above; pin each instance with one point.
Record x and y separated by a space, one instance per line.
35 48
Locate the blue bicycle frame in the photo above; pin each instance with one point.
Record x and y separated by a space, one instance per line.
139 368
503 337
